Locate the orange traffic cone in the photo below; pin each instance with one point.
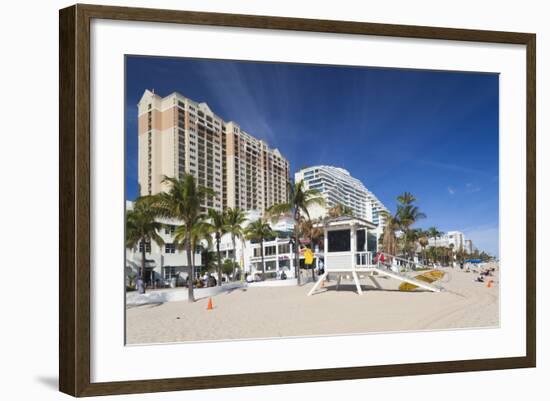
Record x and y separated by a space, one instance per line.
209 307
490 284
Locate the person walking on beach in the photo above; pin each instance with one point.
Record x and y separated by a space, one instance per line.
140 285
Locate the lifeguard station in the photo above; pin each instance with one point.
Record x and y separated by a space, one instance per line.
349 247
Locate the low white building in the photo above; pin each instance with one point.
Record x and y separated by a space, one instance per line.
162 263
278 251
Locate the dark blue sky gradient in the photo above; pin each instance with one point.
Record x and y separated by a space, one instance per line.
431 133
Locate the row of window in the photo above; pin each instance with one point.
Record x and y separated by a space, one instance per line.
271 250
168 247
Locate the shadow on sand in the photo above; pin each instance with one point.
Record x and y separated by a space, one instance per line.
148 306
331 286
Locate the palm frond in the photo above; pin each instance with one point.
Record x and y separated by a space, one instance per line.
276 211
141 225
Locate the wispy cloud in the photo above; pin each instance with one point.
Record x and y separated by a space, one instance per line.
472 188
231 83
451 190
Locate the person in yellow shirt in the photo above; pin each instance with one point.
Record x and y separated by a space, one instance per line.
308 256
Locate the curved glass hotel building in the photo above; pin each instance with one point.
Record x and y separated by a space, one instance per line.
339 187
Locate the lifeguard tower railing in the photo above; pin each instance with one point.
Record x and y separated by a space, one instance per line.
363 259
367 259
402 264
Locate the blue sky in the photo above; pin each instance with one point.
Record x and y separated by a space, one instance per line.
432 133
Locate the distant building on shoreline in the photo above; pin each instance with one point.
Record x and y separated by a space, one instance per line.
455 238
178 136
338 187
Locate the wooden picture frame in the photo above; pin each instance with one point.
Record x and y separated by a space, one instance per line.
75 207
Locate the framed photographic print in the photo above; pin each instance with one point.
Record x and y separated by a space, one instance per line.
249 200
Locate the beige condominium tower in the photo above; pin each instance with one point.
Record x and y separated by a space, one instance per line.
179 136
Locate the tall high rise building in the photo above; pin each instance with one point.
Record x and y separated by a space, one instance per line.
338 187
178 136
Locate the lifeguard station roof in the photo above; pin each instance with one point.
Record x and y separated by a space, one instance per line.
346 220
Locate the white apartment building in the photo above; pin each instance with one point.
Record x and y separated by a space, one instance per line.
338 187
180 136
456 238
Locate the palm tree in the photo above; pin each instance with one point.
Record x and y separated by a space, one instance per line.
299 200
340 210
407 214
208 259
423 241
451 252
182 202
313 232
218 228
410 239
260 230
434 233
406 198
141 227
389 241
432 253
202 231
235 219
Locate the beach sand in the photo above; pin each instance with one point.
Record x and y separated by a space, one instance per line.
266 312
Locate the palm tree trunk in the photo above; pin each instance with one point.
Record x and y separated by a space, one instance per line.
297 248
263 262
436 252
142 270
191 276
423 255
312 268
234 256
219 261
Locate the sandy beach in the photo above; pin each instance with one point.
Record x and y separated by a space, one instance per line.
287 311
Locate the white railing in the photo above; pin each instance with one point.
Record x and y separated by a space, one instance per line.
363 259
402 263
